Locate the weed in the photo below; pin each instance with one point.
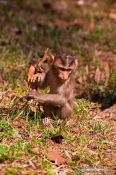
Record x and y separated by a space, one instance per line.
25 35
15 170
6 130
98 127
46 165
96 35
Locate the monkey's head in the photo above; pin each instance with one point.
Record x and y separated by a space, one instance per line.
64 65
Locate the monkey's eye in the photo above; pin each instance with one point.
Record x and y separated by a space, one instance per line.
62 68
65 69
69 70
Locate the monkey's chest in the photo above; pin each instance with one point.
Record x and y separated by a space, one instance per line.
58 88
61 90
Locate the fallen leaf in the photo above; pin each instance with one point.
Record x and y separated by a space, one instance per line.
70 174
17 124
55 156
75 130
107 71
98 75
31 72
80 80
80 2
36 150
112 15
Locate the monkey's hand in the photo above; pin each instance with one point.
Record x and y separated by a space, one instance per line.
39 77
33 94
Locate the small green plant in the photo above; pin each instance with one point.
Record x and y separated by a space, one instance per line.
98 127
3 153
81 109
95 35
86 139
13 170
47 166
5 130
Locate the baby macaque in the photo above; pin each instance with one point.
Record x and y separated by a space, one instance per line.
59 78
37 71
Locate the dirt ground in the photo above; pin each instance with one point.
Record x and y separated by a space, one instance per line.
85 145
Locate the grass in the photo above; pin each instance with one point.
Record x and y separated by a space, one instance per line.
87 140
21 134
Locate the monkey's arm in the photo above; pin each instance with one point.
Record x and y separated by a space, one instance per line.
49 99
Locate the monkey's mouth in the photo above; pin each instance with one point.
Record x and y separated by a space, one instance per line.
63 76
63 79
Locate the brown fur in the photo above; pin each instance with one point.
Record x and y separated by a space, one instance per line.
60 98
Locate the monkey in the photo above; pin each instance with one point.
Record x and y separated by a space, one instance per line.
36 73
59 78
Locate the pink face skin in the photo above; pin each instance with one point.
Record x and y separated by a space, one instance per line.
64 72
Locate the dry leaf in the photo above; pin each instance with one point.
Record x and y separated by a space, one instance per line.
75 130
31 72
55 156
36 150
112 15
97 75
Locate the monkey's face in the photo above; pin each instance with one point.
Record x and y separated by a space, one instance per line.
64 67
64 72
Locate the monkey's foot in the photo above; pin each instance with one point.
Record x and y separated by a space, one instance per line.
46 121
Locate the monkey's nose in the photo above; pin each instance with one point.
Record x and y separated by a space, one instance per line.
63 75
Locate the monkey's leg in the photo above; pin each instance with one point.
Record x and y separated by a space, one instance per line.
54 104
62 112
49 113
65 111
